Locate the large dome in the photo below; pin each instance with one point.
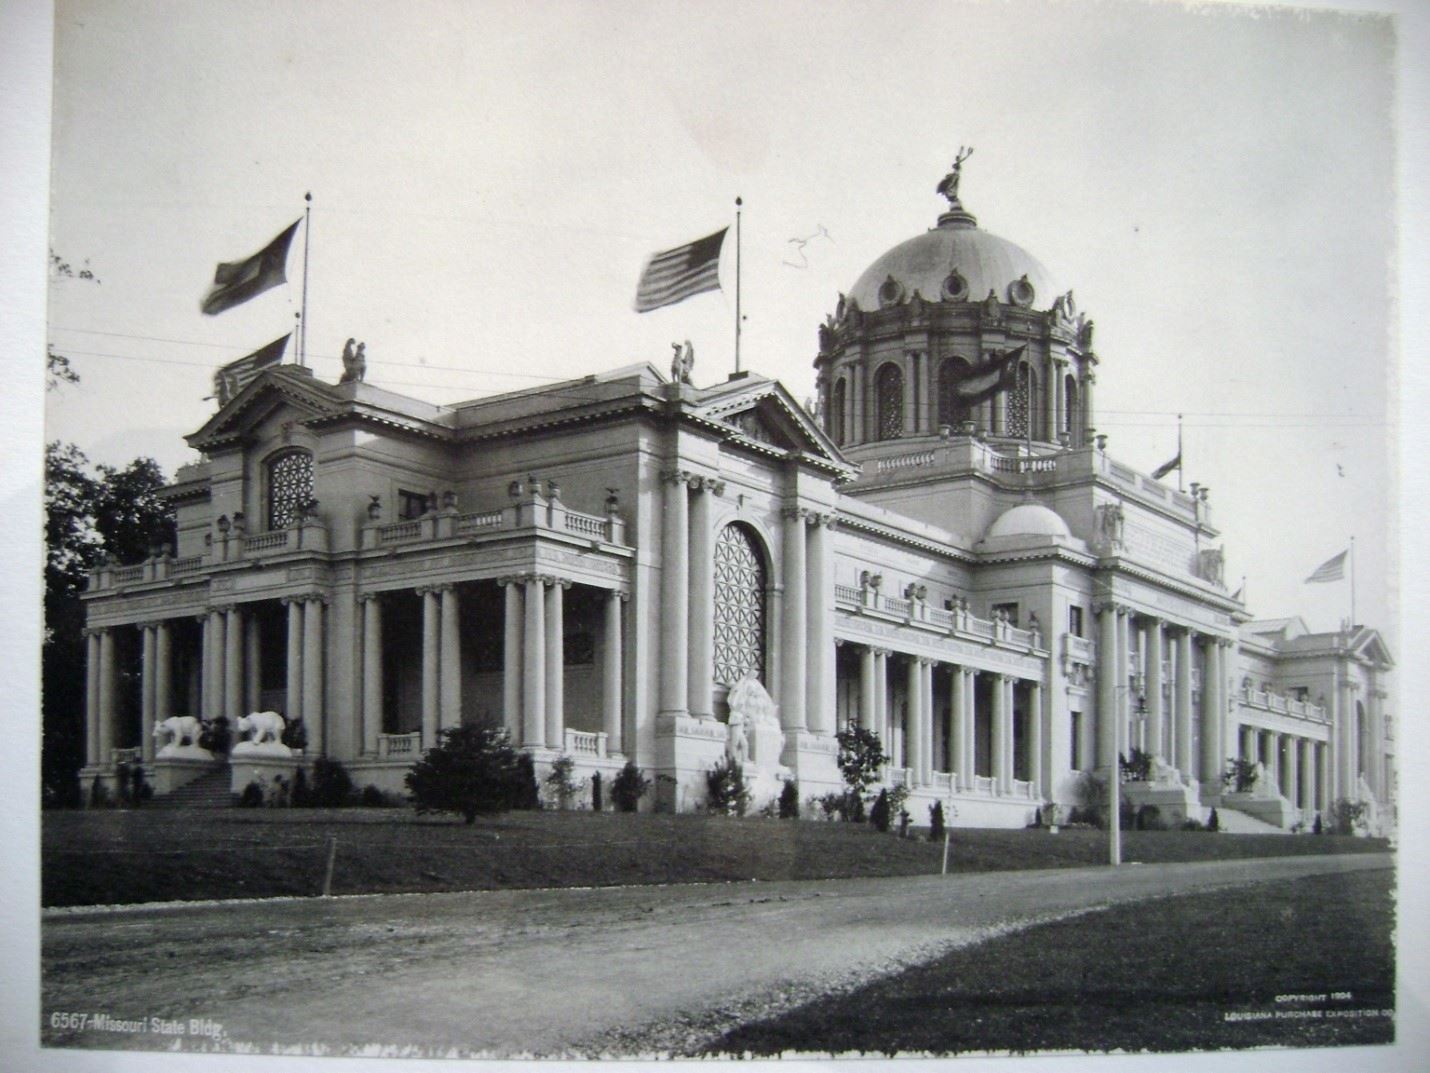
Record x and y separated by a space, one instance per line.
928 262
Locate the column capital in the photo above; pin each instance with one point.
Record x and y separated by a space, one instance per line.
100 631
368 597
926 661
1111 605
699 482
675 475
794 514
317 598
884 652
223 609
819 519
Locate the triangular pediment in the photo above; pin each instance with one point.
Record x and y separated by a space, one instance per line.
281 388
762 412
1369 645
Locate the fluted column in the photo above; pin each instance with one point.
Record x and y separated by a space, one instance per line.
926 723
533 670
371 671
252 663
1107 669
511 658
914 731
674 596
612 688
431 665
215 684
233 665
1154 688
866 688
163 671
792 688
107 673
1001 743
555 664
450 714
958 738
702 599
295 659
1182 706
1375 768
819 599
313 714
91 697
146 694
1323 776
1035 739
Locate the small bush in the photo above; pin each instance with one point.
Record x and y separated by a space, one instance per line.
526 797
372 797
1213 822
215 735
936 822
725 787
472 770
562 780
861 758
1346 816
596 802
789 800
629 787
1239 776
99 794
252 796
1149 818
332 785
1316 827
1137 768
302 795
879 815
831 804
1192 824
295 734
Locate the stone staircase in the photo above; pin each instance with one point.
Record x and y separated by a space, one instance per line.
1235 822
210 790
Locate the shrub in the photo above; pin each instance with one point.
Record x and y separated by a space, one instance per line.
936 822
302 796
1137 768
629 787
861 758
252 796
1149 818
879 815
562 780
725 787
1213 822
215 735
99 794
898 795
295 734
904 819
1316 828
1346 816
332 786
372 797
1240 775
596 802
525 797
831 804
471 770
789 800
1192 824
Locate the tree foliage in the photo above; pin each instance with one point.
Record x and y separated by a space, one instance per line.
629 787
861 759
472 770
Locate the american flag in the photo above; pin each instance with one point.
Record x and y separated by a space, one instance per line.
235 376
674 275
1333 569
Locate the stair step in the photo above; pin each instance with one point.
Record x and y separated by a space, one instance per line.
210 790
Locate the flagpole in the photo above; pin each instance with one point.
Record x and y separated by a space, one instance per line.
738 203
1181 462
1353 582
303 320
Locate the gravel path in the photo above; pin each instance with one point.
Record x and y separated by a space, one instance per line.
631 970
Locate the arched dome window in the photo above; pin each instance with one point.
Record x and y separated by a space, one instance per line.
889 401
1023 401
836 414
951 412
290 487
740 583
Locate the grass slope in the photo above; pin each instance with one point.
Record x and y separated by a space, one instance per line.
114 857
1154 976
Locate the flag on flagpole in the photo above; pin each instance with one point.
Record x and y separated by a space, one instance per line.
674 275
1167 467
988 380
235 282
1333 569
230 379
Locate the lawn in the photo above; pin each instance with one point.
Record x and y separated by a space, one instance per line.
129 856
1264 965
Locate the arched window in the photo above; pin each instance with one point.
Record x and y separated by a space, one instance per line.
836 407
951 412
1022 401
1070 414
290 487
740 583
889 396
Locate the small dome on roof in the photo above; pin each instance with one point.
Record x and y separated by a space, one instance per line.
1028 519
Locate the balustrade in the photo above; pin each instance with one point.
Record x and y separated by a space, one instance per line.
585 743
399 745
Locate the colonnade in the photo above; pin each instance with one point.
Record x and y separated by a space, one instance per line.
1298 766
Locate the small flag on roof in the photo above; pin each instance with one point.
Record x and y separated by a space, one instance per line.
674 275
232 378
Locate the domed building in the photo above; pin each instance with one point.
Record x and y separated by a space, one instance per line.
632 568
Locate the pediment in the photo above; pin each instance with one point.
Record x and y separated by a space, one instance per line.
1369 645
274 390
764 413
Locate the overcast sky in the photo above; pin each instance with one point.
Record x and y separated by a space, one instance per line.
1216 185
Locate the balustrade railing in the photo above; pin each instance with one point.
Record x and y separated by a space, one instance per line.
1282 704
848 594
908 461
187 565
124 756
1022 788
399 745
942 780
585 743
398 531
983 784
278 538
121 574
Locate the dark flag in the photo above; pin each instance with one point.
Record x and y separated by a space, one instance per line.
233 377
988 380
238 281
674 275
1333 569
1167 467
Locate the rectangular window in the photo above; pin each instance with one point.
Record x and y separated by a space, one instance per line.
1075 718
411 505
1075 621
1009 610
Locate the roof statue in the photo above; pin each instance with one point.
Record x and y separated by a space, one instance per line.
354 362
948 187
682 362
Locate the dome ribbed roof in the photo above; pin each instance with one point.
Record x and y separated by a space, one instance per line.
1028 519
926 262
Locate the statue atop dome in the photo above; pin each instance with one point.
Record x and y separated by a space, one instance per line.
948 187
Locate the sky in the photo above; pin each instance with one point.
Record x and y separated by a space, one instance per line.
1216 184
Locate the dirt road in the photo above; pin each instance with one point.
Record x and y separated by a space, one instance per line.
613 970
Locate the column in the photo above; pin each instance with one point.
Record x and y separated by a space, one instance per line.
1035 739
1293 764
958 739
792 691
611 667
819 599
914 731
313 673
214 678
1308 774
881 699
371 671
1248 743
926 685
555 664
252 663
511 659
1273 758
1210 766
1182 705
91 697
163 672
1001 744
866 688
1375 767
1154 688
533 664
431 665
1123 699
450 703
146 695
1323 771
295 659
107 671
1058 393
233 666
701 657
674 606
1107 667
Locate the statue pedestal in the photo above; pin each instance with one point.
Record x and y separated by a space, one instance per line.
167 773
263 768
1175 802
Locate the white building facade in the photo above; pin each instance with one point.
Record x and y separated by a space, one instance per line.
595 564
